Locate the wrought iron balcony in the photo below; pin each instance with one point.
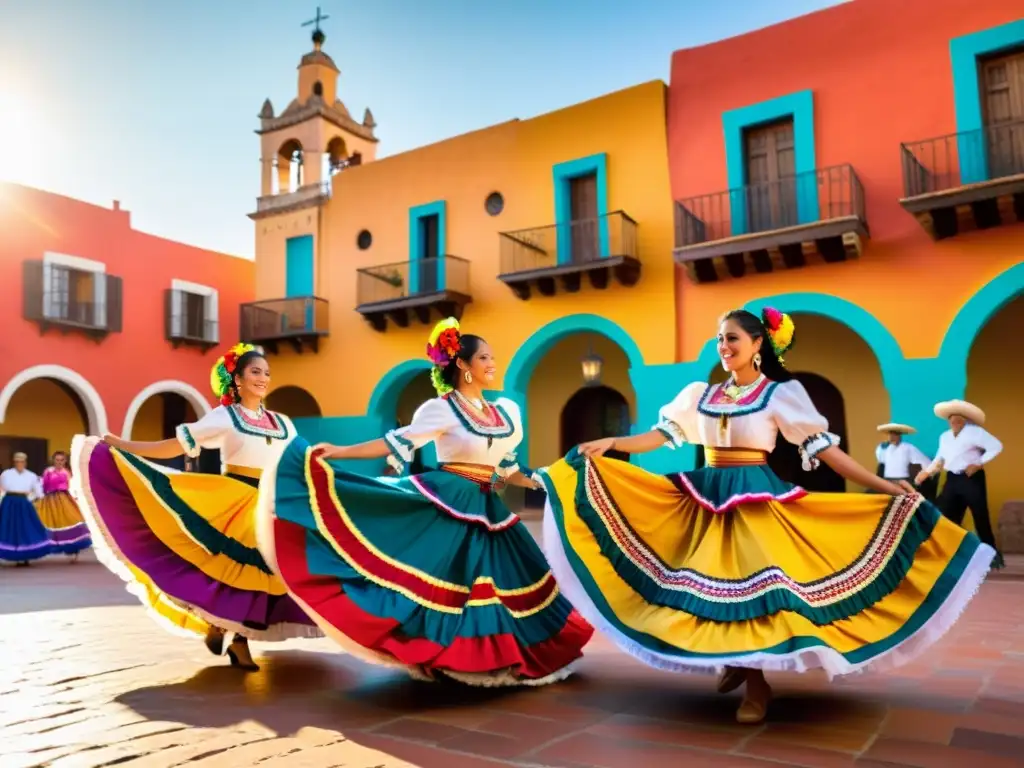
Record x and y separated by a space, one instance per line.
71 300
305 196
963 181
186 322
421 288
775 225
300 321
545 257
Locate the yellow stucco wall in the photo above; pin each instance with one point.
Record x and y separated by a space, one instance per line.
42 409
994 369
515 159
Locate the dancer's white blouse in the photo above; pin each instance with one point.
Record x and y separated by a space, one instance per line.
234 431
459 435
26 481
754 422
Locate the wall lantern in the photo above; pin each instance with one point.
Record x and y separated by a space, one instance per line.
592 364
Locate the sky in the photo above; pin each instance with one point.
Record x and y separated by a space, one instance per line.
155 103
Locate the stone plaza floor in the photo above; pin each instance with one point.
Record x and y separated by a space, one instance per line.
87 679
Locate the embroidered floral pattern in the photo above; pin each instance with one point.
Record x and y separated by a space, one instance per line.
714 403
812 446
493 423
188 443
271 426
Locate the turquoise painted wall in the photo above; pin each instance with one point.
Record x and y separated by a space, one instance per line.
914 385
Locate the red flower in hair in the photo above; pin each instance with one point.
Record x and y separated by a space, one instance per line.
230 361
772 318
227 399
449 342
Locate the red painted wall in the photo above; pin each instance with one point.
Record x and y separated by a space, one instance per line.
33 222
880 72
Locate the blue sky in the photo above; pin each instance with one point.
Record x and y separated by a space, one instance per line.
155 103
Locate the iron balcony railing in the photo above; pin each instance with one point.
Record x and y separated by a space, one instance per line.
959 159
409 279
823 194
583 241
280 319
185 317
71 298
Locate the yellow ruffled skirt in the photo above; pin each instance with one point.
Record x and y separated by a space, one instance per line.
731 566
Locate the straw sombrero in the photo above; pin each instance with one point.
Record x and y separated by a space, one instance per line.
899 429
969 411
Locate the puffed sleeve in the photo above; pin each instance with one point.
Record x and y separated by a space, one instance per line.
801 424
206 433
431 420
678 420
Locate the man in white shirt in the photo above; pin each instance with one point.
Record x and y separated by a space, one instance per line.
898 460
964 450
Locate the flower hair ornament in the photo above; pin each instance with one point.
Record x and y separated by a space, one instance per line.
444 344
781 331
222 375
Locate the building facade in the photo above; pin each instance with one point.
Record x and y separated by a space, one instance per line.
105 328
870 182
550 237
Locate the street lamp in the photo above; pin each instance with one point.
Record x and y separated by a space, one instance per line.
592 365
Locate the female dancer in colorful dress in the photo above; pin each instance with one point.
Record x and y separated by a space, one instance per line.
186 542
728 567
58 511
432 572
23 537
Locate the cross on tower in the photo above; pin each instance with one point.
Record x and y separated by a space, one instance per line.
316 21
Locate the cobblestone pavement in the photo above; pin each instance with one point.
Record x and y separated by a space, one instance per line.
86 679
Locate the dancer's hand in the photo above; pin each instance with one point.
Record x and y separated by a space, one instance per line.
113 441
907 486
921 477
597 447
972 470
330 451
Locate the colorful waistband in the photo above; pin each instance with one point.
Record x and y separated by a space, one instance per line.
478 473
250 472
734 457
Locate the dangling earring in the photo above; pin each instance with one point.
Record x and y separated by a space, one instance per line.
757 361
468 377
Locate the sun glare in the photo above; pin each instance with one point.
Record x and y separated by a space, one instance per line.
25 137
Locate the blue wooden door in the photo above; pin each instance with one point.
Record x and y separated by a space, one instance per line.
299 274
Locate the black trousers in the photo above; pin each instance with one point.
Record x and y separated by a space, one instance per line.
962 492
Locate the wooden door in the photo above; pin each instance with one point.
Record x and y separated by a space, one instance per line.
429 231
36 450
771 180
1002 88
583 209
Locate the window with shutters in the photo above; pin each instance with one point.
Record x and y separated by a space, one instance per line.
71 292
1002 96
191 314
770 158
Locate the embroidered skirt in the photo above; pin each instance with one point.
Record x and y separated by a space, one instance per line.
185 544
430 573
22 536
729 565
60 514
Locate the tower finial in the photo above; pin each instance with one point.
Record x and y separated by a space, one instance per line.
318 34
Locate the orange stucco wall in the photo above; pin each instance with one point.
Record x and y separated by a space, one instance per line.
880 73
34 222
515 159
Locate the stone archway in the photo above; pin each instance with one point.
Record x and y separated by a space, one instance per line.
96 412
200 405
